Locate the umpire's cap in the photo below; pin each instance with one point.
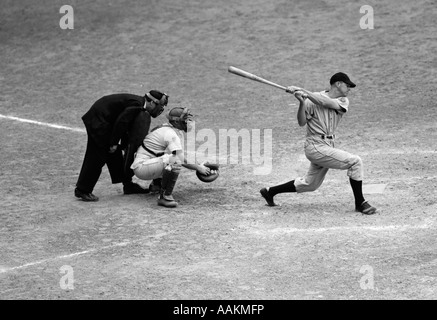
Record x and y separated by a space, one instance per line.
158 97
340 76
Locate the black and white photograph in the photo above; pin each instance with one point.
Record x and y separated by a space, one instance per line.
235 152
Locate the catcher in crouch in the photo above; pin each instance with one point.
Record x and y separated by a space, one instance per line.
161 157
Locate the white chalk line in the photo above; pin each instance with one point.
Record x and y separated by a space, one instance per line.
398 152
30 264
45 124
426 225
67 256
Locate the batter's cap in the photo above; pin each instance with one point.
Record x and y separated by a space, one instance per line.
340 76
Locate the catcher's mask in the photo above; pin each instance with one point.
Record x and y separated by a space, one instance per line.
159 104
180 117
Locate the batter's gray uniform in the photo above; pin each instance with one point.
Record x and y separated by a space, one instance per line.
320 146
322 112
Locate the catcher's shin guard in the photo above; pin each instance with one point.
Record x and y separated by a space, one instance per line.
169 178
155 186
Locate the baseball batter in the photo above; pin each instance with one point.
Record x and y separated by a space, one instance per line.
322 112
161 156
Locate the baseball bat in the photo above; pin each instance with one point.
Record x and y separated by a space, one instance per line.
253 77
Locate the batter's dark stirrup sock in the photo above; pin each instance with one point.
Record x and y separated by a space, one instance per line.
357 188
286 187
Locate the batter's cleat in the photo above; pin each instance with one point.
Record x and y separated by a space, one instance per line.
85 196
266 195
365 208
167 201
133 188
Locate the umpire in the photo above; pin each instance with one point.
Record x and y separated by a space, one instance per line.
116 124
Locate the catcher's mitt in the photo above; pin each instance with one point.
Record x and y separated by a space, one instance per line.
212 176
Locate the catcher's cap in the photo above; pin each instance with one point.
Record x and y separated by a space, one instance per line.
340 76
158 97
179 114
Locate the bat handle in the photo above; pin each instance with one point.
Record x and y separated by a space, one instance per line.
304 95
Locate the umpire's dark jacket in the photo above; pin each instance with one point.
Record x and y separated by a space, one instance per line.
110 118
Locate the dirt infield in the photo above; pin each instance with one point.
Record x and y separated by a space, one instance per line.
222 242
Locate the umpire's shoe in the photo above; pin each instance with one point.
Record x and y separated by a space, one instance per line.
365 208
85 196
133 188
266 195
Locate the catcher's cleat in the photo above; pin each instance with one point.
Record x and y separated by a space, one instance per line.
365 208
266 195
133 188
167 201
155 186
85 196
169 178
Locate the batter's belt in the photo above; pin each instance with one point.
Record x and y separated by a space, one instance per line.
328 136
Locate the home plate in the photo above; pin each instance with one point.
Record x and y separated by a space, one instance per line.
373 188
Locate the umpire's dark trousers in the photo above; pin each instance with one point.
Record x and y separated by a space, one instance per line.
94 160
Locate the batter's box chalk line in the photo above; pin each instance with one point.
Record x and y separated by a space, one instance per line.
158 235
374 188
278 231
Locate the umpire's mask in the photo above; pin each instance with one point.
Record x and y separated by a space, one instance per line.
158 101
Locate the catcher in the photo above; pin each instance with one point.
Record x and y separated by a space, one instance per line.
321 112
161 157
